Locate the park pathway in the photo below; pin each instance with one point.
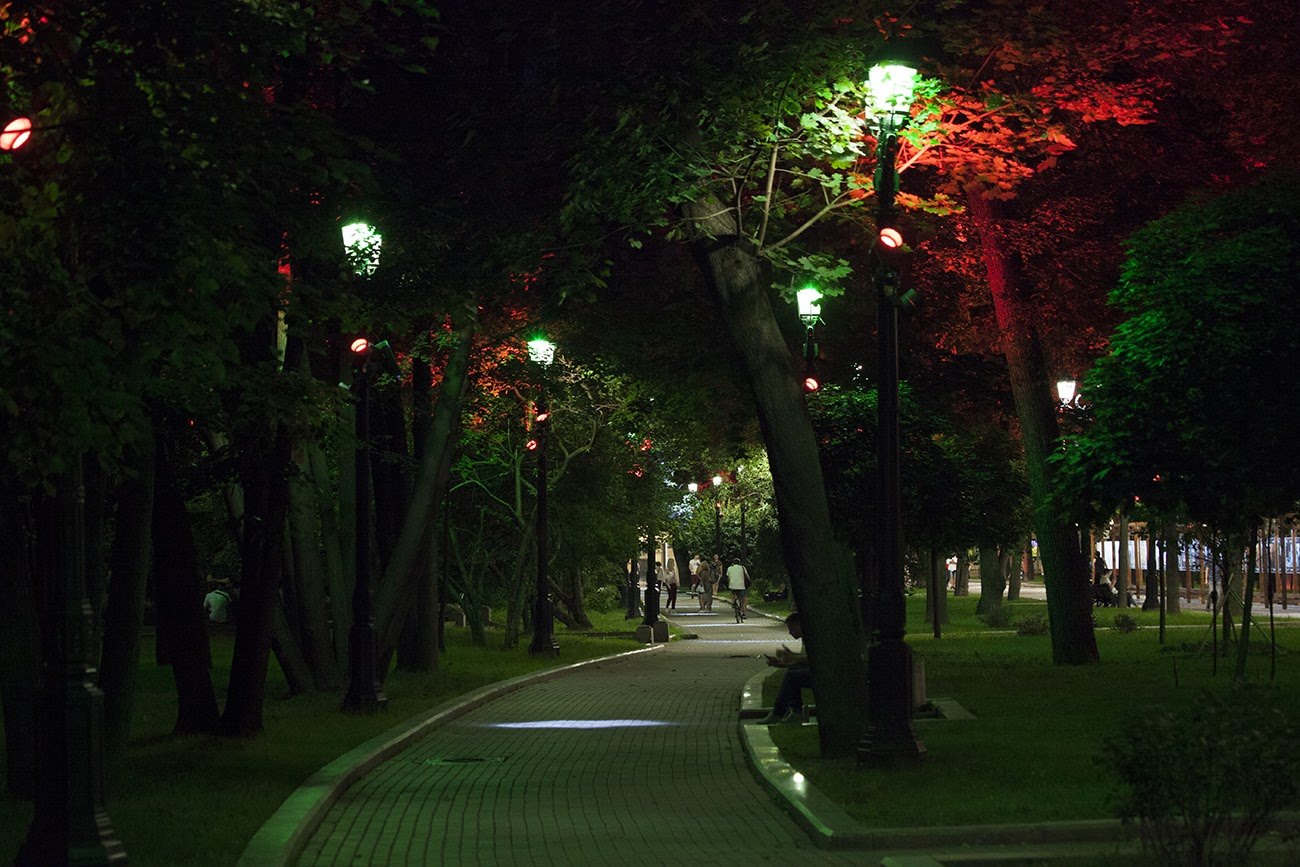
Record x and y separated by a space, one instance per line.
631 761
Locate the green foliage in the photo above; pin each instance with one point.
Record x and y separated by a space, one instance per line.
1032 624
998 618
1125 623
1194 405
1203 782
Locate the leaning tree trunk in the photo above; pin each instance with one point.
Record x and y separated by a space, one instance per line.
820 567
1065 569
420 651
124 608
310 579
992 582
178 598
397 589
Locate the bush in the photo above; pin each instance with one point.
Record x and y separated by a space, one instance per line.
605 598
1032 624
998 618
1125 623
1203 783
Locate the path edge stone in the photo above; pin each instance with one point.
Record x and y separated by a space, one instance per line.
282 837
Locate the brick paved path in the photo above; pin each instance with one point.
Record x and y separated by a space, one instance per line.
628 762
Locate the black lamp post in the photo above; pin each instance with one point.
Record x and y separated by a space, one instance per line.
891 736
70 825
542 352
365 694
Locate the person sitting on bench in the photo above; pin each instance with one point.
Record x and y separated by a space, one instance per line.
788 707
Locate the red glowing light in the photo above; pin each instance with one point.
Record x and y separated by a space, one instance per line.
360 345
542 416
810 384
891 238
531 445
15 134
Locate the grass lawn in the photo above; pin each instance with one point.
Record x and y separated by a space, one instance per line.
1032 752
197 800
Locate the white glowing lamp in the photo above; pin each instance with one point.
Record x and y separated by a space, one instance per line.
541 351
892 86
809 309
1065 389
362 242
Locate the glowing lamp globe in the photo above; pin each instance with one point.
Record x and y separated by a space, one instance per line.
1065 390
541 351
810 384
717 480
890 238
15 134
360 345
892 86
692 487
362 242
807 298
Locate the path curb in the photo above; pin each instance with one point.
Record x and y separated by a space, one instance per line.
281 838
830 827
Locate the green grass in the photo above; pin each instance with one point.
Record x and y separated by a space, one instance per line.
198 800
1031 754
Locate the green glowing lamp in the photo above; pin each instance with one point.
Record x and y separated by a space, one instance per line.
541 351
362 242
809 310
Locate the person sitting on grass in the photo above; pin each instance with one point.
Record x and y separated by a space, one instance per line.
788 707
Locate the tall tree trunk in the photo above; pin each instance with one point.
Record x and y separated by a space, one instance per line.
1152 600
266 502
1024 566
1122 568
396 590
1252 580
820 567
992 583
1173 577
961 585
310 578
936 599
419 650
124 609
19 640
1065 569
288 653
178 596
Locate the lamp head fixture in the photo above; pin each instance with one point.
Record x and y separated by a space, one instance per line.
541 351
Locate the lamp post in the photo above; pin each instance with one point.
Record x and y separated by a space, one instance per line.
69 824
891 736
364 694
542 352
717 516
810 312
1065 390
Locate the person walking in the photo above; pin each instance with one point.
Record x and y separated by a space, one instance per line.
704 575
671 581
694 566
738 584
717 571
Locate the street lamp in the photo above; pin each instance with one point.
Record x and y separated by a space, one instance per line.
890 735
542 352
69 824
365 694
15 134
361 242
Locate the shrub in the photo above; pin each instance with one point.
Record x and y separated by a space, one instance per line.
1203 783
1125 623
1032 624
998 618
604 599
